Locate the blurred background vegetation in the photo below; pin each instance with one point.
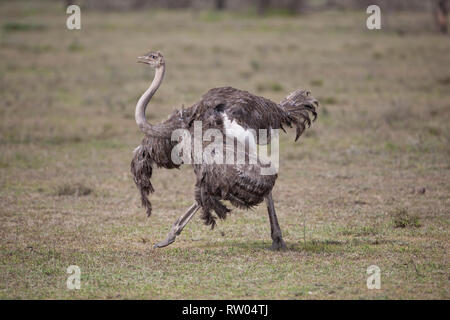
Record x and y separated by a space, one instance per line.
437 8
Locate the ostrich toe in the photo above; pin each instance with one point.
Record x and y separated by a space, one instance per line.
278 244
165 243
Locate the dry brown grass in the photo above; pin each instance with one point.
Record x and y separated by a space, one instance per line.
67 101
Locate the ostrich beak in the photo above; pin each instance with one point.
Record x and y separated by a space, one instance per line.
142 59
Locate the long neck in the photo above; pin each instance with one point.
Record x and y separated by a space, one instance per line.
142 123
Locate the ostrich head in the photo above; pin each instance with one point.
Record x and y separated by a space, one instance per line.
153 59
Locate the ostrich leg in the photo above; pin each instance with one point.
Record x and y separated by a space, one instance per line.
275 230
178 226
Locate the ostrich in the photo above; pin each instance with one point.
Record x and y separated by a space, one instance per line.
231 111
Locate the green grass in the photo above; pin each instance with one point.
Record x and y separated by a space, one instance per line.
17 26
404 220
368 184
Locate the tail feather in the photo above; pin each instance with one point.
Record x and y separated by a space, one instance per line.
299 106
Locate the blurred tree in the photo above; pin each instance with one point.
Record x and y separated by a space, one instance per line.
220 4
440 15
331 3
137 4
291 6
263 5
295 6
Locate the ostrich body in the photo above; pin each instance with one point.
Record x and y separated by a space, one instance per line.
232 112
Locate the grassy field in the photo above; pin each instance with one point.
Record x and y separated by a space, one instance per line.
368 184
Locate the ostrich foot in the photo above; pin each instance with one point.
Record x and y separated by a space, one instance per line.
178 226
278 244
165 243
